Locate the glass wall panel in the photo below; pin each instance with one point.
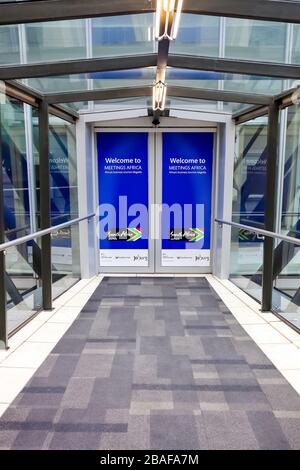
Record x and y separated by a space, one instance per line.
65 259
249 181
23 262
290 222
286 294
9 45
64 204
249 185
255 40
23 284
246 261
15 169
63 171
55 40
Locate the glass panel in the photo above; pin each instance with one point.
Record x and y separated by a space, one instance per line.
24 296
80 38
255 40
286 294
63 171
9 45
23 263
94 81
197 35
249 184
55 40
225 81
243 39
246 261
65 259
296 44
204 105
64 204
122 104
249 181
290 222
123 35
15 169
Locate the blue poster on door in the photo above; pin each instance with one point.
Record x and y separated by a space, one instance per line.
187 170
123 198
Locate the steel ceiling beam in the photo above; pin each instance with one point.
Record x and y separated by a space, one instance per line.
52 10
241 67
180 92
282 11
104 94
250 113
71 67
213 64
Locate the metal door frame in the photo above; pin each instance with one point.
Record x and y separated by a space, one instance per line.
154 197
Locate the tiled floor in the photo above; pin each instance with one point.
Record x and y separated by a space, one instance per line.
152 363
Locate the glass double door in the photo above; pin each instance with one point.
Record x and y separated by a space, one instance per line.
155 201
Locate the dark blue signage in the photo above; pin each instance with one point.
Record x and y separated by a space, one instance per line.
123 190
187 190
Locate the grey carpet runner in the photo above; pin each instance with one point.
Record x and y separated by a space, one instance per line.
154 363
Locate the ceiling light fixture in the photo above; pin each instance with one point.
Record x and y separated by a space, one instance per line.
167 19
159 96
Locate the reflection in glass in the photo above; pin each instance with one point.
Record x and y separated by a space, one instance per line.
197 35
23 284
64 204
255 40
94 81
63 171
123 35
65 259
23 262
286 294
225 81
15 169
9 45
249 180
55 40
290 222
249 185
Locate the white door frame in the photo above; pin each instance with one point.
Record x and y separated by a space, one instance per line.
133 121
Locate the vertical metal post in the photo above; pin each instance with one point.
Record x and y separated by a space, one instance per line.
270 205
3 312
45 218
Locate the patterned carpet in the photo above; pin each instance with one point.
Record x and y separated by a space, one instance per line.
154 363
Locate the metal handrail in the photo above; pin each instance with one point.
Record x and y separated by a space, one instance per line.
41 233
266 233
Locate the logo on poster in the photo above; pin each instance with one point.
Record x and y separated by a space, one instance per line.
186 234
125 234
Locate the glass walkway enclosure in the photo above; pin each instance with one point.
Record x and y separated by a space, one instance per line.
67 64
